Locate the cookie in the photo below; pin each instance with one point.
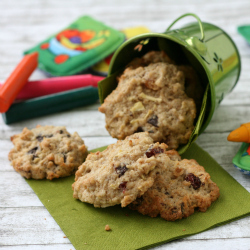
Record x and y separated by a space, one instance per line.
120 173
47 152
153 99
150 57
193 86
180 187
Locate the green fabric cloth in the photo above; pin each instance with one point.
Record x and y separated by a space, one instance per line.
82 44
84 225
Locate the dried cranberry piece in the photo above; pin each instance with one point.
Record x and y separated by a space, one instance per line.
123 185
153 151
39 138
121 170
194 180
153 120
139 129
33 150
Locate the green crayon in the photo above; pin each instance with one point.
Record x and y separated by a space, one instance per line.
50 104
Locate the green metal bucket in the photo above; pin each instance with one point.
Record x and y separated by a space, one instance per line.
206 47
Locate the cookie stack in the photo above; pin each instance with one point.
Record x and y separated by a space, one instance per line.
143 175
151 112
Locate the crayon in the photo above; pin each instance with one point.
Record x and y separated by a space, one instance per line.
54 85
49 104
241 134
16 81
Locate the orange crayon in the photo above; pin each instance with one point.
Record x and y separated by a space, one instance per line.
17 80
241 134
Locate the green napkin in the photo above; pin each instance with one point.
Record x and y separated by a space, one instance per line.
84 225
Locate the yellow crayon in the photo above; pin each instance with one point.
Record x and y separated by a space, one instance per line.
241 134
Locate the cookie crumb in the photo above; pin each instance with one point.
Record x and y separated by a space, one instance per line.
64 236
45 218
183 229
107 228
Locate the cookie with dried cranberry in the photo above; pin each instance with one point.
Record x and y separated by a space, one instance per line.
153 99
47 152
179 188
119 174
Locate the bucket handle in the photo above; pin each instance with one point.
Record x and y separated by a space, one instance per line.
197 18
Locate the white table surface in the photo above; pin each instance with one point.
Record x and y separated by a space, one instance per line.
24 222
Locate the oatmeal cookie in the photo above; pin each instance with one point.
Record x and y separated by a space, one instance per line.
180 186
153 99
193 86
120 173
47 152
150 57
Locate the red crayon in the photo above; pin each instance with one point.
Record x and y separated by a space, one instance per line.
16 81
54 85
